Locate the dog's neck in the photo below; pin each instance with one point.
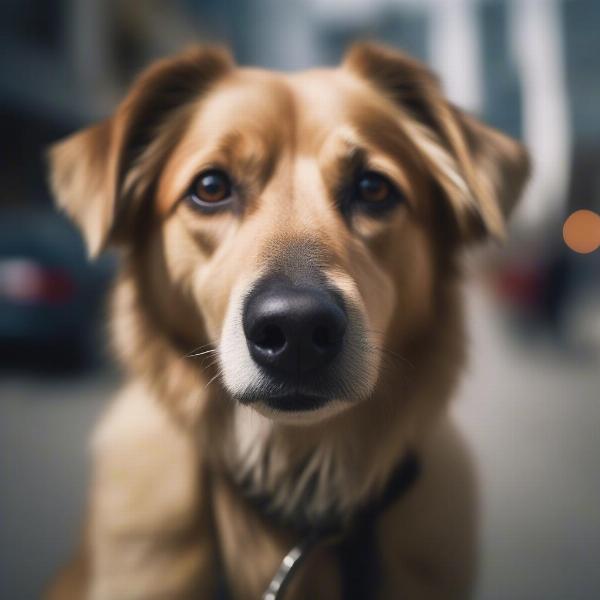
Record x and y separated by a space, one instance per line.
330 468
335 465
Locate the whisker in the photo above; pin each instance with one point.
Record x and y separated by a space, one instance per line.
198 349
394 355
384 349
212 363
218 374
211 351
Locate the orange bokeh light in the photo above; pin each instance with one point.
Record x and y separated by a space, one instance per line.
581 231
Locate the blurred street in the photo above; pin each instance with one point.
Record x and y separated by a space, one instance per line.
532 415
532 419
44 427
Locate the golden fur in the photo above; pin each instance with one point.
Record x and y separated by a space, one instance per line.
163 512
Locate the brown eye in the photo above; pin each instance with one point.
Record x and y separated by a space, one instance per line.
211 188
373 194
374 188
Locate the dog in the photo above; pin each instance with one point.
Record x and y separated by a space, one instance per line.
288 314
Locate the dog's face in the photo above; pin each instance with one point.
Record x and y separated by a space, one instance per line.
295 223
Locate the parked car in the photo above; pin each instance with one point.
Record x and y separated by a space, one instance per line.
50 295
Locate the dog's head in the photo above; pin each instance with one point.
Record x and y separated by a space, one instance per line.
297 223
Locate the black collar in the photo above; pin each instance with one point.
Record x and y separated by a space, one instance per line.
404 475
354 536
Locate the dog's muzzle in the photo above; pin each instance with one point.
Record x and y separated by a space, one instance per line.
294 332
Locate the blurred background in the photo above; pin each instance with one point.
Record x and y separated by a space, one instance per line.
531 399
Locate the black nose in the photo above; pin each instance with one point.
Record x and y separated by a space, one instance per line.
293 330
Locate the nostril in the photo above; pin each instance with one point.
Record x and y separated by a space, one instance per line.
271 338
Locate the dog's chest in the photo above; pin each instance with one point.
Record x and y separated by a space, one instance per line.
300 485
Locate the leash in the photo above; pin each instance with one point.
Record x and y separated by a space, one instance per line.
289 565
356 543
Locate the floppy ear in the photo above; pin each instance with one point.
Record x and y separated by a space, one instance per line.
93 172
480 171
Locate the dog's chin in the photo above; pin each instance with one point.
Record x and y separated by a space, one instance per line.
294 407
302 416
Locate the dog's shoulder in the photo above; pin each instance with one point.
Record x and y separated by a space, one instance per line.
145 504
145 465
428 541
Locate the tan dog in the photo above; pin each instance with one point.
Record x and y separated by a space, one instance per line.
289 316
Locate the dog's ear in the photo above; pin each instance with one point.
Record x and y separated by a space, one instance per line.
91 171
480 170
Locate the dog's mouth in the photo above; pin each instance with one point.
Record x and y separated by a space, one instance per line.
295 402
287 402
305 400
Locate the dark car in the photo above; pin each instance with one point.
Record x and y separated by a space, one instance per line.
50 295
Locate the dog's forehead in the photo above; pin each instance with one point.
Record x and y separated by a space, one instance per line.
330 95
246 98
298 106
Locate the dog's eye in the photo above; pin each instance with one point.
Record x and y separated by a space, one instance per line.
211 189
375 190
